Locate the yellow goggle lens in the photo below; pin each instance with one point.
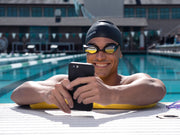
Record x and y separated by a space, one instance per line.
109 50
91 50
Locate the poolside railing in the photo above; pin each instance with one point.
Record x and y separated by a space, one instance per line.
166 50
169 47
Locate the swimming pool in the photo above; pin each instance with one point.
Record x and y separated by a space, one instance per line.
164 68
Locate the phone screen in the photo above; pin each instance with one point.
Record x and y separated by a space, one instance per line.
76 70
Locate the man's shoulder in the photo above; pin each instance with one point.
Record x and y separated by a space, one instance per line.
133 77
137 75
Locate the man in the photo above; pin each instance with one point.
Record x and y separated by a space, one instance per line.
106 87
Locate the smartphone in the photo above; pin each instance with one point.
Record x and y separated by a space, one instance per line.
77 69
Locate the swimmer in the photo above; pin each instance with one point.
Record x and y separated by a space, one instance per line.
103 48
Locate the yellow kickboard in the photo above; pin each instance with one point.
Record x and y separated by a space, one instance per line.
44 105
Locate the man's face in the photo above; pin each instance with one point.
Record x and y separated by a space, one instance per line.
105 64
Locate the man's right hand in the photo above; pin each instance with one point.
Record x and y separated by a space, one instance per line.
59 96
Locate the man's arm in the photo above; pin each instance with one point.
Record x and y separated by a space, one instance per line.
138 89
51 91
31 91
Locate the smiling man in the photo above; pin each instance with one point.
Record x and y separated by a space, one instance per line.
105 65
107 87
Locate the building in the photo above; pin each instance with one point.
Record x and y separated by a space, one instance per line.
26 23
163 18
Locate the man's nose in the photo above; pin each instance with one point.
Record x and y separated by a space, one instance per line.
100 56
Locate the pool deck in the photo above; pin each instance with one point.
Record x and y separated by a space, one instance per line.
24 121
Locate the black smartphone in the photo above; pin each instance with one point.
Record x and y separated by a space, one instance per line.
77 69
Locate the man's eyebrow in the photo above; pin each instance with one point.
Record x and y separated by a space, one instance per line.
111 43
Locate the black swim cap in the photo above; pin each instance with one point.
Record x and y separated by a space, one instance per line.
104 28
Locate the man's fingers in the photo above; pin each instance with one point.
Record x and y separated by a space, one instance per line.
81 90
60 102
89 100
84 96
65 83
65 94
83 80
61 97
52 100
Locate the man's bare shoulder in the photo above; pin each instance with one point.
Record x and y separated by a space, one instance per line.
133 77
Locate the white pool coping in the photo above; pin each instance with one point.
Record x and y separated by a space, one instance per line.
23 121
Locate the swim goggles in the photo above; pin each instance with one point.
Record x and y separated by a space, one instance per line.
175 105
109 48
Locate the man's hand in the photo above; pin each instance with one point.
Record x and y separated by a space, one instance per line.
59 96
94 91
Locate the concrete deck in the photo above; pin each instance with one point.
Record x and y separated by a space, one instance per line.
24 121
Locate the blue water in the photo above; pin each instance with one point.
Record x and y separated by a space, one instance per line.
164 68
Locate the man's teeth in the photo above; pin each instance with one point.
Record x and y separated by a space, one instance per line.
101 65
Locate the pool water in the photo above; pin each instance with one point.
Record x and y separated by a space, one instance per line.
164 68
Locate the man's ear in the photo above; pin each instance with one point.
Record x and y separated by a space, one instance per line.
120 55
